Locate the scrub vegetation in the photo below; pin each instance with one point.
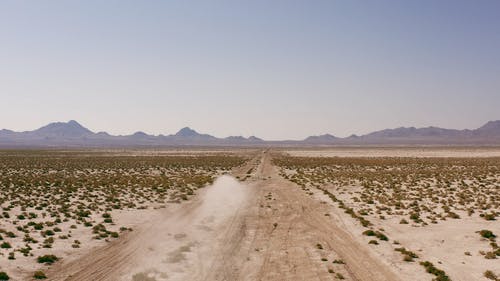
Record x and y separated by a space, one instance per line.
408 192
49 198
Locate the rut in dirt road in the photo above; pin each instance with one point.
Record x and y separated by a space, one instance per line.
265 228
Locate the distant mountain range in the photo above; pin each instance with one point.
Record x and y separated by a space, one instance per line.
72 134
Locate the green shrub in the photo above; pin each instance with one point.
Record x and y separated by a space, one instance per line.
487 234
382 236
49 259
430 268
369 232
4 276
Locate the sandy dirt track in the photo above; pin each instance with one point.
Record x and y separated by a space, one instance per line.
264 228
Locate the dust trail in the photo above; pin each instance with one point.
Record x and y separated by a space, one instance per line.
232 231
183 244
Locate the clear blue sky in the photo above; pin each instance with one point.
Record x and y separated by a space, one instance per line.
275 69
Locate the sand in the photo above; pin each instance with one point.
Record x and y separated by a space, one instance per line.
264 227
396 152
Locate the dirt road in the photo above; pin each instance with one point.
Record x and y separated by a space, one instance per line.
264 228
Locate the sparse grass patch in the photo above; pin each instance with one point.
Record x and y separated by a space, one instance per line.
430 268
490 275
39 275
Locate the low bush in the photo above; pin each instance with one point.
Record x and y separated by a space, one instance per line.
490 275
487 234
430 268
4 276
39 275
49 259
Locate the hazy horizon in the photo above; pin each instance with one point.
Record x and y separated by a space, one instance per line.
280 70
209 133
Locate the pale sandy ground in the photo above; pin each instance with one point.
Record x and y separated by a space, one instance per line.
265 228
397 152
174 243
443 244
23 267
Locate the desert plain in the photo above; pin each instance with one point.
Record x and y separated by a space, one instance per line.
345 213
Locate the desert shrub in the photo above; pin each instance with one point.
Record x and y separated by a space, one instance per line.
377 234
382 236
48 232
407 258
488 217
142 277
487 234
404 251
5 245
49 259
490 275
4 276
39 275
430 268
369 232
490 255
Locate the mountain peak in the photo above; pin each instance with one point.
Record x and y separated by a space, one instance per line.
491 128
186 132
140 134
254 138
321 138
59 129
491 125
